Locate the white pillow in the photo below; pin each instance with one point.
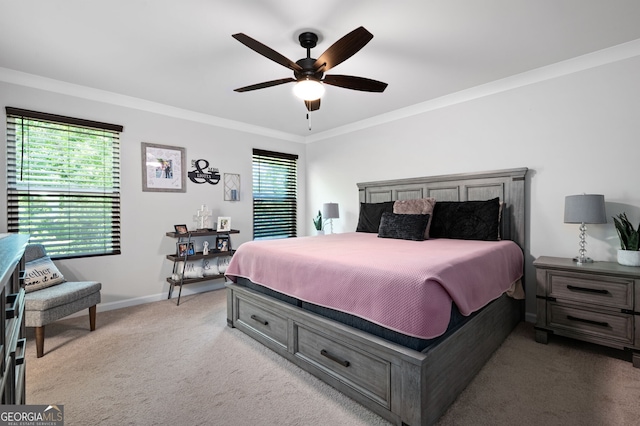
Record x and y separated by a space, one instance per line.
223 263
193 269
210 267
41 273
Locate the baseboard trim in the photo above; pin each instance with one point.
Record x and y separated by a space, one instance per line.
186 291
530 317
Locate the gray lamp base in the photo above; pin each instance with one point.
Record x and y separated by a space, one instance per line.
580 261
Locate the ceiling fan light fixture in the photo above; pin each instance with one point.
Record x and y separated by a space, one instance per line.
308 89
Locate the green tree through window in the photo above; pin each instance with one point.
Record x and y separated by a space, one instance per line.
63 183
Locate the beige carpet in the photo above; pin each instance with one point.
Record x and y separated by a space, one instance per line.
162 364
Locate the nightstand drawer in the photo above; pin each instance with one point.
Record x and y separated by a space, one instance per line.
607 325
592 289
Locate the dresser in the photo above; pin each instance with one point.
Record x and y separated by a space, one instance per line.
12 336
595 302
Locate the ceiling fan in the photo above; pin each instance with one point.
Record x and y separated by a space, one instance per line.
309 73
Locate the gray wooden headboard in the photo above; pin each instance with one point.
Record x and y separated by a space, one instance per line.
508 185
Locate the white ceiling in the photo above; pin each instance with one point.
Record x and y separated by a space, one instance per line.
181 54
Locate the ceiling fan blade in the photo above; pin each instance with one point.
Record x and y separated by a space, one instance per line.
267 52
265 84
312 105
355 83
343 49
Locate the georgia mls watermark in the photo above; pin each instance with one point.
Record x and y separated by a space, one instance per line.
31 415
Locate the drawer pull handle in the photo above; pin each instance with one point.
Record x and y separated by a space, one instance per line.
599 323
588 290
13 306
260 320
21 345
334 358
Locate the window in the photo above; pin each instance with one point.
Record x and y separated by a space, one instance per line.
274 195
63 183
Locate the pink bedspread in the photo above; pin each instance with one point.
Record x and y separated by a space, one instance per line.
406 286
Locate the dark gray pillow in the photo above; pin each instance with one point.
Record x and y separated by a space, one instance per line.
466 220
370 214
403 226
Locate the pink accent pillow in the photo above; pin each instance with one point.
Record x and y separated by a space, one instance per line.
419 206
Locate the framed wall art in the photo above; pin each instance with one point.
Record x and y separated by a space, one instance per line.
163 168
231 187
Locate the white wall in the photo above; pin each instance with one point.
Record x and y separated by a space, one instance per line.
578 133
139 273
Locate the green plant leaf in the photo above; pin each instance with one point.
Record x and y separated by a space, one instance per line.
317 221
629 237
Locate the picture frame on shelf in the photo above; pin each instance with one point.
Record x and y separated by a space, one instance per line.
185 249
224 224
164 168
181 229
223 243
182 249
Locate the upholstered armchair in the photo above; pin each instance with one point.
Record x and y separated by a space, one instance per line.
50 297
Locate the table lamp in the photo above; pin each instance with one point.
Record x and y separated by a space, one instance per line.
329 212
583 209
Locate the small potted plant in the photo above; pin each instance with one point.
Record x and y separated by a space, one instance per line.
317 222
629 253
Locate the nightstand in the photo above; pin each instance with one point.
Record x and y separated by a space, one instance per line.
596 302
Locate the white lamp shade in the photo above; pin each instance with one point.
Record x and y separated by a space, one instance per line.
308 90
584 208
330 211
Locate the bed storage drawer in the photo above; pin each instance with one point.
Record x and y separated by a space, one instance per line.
262 321
368 374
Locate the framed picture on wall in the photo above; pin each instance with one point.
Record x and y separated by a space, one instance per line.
163 168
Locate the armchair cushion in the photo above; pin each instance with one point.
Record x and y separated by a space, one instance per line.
62 295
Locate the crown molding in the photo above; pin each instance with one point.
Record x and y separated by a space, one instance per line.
580 63
38 82
591 60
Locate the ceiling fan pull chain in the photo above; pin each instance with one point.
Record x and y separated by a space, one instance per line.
309 119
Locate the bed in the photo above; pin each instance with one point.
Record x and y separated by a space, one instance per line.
406 375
